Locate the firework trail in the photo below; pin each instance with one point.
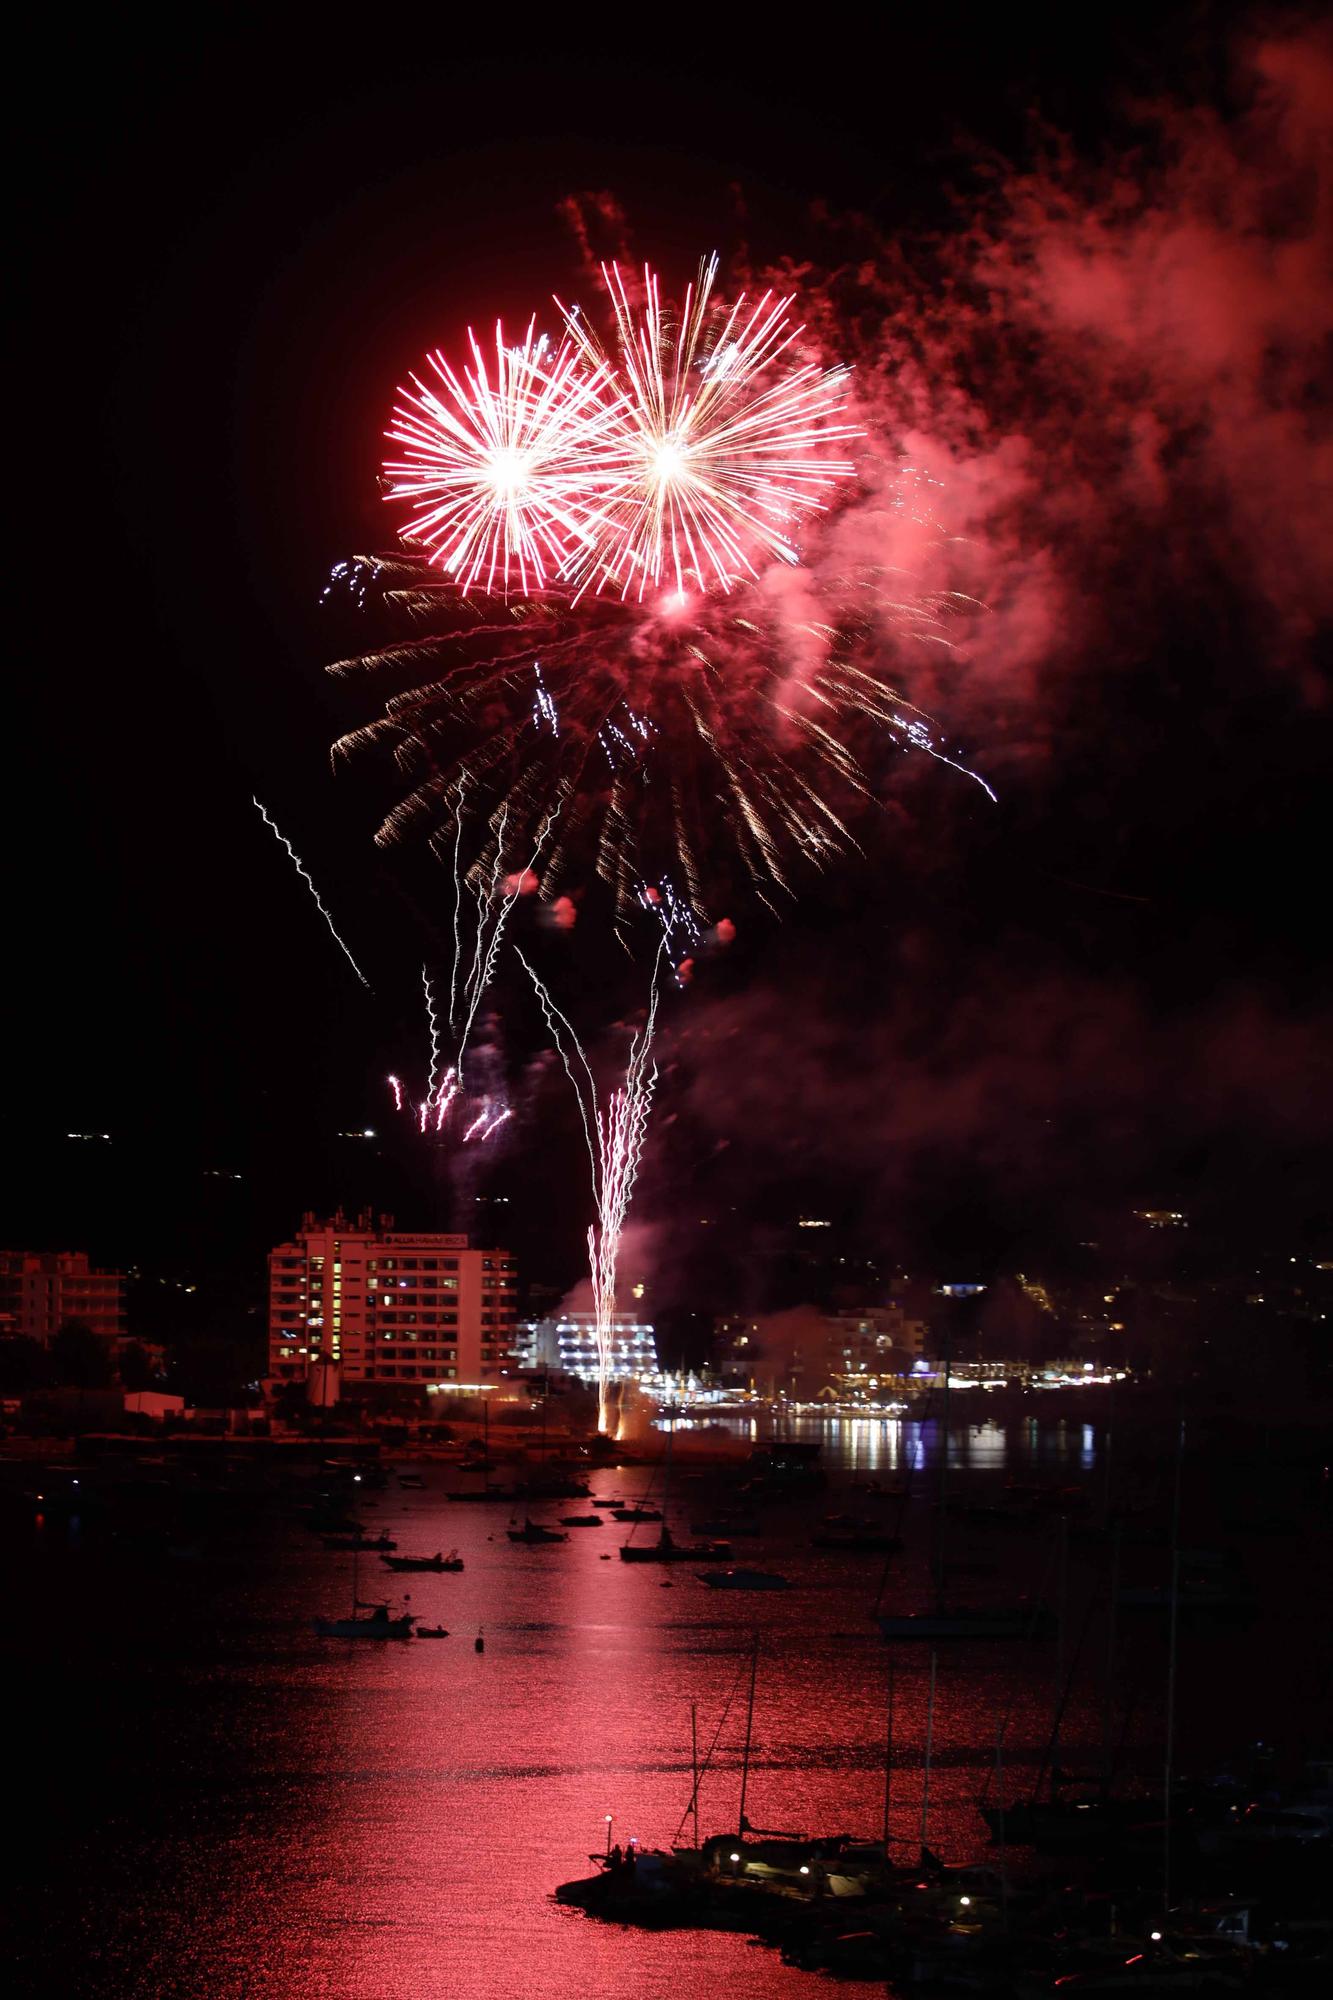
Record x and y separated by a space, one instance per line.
681 931
494 894
304 873
742 728
615 1132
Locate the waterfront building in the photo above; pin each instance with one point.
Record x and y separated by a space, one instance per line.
567 1343
389 1305
41 1290
803 1353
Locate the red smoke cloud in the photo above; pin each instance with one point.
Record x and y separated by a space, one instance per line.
1105 393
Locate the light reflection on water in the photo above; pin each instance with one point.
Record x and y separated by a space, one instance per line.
250 1813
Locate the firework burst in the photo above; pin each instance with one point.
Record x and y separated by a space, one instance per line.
637 742
718 439
504 464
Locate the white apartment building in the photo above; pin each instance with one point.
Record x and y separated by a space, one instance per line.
390 1305
569 1343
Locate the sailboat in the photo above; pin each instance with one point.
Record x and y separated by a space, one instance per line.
1023 1619
379 1623
533 1532
665 1549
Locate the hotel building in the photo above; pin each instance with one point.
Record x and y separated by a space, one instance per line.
389 1305
41 1290
568 1344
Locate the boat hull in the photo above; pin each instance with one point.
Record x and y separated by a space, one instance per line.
670 1552
363 1628
1021 1622
744 1579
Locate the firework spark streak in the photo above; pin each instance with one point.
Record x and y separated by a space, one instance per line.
615 1134
681 932
495 893
743 724
304 873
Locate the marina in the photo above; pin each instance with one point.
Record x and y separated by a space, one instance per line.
479 1775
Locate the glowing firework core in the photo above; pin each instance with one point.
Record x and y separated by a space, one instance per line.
509 476
668 461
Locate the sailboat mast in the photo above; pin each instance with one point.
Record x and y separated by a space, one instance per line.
1061 1641
888 1760
694 1766
1106 1461
664 1538
1171 1672
930 1741
999 1793
1112 1612
749 1731
941 1512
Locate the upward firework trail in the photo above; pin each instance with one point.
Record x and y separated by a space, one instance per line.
304 873
615 1134
494 893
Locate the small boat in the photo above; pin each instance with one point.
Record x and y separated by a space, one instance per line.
359 1542
379 1625
436 1563
431 1632
607 1506
999 1621
552 1485
484 1493
1196 1593
743 1579
665 1550
727 1525
637 1513
580 1520
412 1480
533 1531
857 1541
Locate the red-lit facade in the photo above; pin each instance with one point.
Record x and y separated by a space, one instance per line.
389 1305
41 1290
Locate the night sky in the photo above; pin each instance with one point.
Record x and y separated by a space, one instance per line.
991 1027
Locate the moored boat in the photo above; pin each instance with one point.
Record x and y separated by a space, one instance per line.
436 1563
666 1550
744 1579
998 1621
378 1624
857 1541
533 1532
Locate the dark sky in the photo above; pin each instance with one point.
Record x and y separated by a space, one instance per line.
237 239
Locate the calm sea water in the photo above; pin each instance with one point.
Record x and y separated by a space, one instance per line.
223 1805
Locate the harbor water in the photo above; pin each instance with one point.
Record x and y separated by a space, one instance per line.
217 1803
